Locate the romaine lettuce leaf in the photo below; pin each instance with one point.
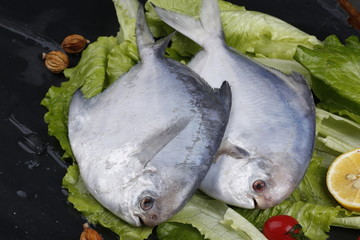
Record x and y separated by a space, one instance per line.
126 12
125 54
336 74
215 220
336 133
346 221
179 231
250 32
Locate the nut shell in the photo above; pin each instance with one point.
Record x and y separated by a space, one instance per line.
56 61
74 43
89 233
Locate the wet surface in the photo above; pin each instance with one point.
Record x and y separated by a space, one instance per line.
33 203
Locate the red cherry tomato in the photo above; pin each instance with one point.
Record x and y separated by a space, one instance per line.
278 227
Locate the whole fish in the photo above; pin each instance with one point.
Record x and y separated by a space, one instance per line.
145 143
269 139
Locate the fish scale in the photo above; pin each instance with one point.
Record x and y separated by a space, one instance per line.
145 143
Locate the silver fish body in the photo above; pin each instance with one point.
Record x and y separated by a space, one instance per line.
270 135
145 143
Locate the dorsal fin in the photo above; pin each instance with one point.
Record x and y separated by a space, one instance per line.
145 40
225 96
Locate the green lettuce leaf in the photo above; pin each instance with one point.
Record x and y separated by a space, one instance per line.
336 133
125 54
346 221
179 231
251 32
336 74
126 12
215 220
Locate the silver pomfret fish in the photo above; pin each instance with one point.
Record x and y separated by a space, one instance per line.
269 139
145 143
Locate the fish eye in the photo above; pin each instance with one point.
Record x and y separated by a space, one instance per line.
147 203
259 185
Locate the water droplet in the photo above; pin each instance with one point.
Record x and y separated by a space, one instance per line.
31 164
32 143
56 156
65 192
21 194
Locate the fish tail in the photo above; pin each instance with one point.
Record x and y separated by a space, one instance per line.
145 39
201 30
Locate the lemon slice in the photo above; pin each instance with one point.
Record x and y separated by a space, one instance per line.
343 179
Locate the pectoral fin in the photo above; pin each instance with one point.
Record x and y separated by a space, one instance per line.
228 148
157 141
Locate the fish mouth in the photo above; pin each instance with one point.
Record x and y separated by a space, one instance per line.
141 221
152 220
137 221
133 219
256 205
264 203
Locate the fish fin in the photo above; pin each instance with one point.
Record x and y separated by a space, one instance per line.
224 95
145 40
298 84
201 30
228 148
296 79
157 141
299 81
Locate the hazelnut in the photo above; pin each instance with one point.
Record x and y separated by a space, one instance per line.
89 233
74 43
56 61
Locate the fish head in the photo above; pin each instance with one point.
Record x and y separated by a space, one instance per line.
139 202
154 199
262 182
